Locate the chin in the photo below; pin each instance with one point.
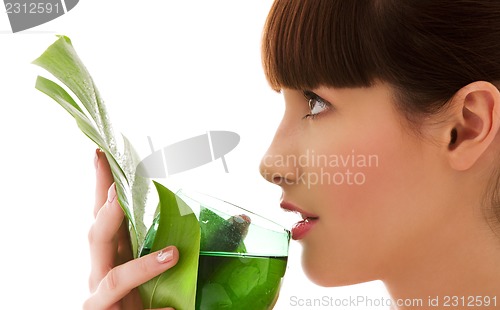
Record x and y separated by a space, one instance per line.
324 271
326 279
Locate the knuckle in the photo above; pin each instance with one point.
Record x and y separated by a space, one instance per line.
87 305
93 282
111 280
143 266
91 234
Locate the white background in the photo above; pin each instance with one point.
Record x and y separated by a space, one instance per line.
168 69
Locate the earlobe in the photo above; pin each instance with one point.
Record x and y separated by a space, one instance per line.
476 123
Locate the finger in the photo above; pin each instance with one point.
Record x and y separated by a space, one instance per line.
103 239
122 279
124 248
104 179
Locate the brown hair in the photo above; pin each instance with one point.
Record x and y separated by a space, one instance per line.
425 49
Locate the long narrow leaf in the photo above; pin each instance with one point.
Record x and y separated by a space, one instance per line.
139 186
58 93
62 61
177 225
62 97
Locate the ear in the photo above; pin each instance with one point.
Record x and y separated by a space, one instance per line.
475 123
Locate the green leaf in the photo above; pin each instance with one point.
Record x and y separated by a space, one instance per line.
177 226
243 283
60 95
62 61
139 186
57 93
220 235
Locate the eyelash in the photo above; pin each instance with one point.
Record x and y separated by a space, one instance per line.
311 97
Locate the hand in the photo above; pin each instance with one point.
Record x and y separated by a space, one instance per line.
114 275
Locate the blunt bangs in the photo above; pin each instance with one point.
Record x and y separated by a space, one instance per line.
311 43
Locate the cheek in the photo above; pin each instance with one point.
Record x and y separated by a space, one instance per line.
361 168
360 208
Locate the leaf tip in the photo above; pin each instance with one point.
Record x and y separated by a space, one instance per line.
65 38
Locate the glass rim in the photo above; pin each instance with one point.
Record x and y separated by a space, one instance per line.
201 199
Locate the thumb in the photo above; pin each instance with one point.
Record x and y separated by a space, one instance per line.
104 179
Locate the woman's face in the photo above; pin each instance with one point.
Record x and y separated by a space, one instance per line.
366 182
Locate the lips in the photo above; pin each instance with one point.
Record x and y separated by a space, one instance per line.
301 228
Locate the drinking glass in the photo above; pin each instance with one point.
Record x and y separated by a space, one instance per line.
243 256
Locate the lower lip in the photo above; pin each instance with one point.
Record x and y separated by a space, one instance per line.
300 229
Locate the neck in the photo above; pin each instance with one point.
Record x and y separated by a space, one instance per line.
458 269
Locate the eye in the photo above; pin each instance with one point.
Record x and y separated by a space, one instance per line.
316 104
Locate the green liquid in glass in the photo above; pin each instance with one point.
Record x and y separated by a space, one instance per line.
231 275
238 281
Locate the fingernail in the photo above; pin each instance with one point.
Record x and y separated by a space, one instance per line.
165 255
96 158
111 194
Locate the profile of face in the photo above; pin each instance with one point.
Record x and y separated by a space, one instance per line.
366 178
377 191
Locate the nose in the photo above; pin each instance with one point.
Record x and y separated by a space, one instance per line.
279 164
